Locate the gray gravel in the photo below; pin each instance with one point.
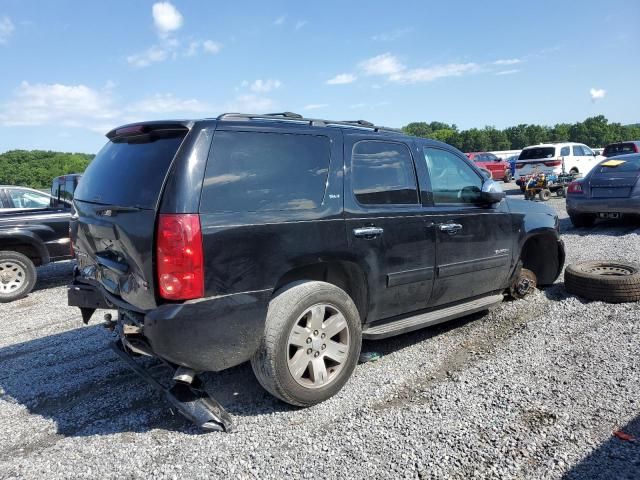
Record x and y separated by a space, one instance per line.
532 390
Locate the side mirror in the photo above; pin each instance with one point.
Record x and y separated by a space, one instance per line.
491 192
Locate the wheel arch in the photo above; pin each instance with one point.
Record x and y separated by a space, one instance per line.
344 274
27 244
543 255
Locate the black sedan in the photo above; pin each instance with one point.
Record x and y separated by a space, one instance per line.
610 190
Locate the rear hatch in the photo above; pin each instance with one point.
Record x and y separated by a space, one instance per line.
537 160
116 205
615 178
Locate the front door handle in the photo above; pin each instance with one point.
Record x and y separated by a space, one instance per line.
450 228
368 232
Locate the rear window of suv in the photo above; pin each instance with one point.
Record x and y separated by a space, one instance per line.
536 153
130 171
255 171
619 149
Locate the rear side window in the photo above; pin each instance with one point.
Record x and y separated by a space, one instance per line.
536 153
130 172
619 149
252 171
577 151
382 173
565 151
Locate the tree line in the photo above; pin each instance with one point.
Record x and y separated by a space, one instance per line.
594 132
37 168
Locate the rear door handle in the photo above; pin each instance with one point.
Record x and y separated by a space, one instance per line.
368 232
450 228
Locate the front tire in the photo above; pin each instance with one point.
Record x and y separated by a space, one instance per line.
311 343
17 276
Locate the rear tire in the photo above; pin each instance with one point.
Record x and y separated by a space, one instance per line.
612 282
311 343
17 276
582 220
545 194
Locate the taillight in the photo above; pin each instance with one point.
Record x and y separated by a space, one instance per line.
635 148
179 256
575 187
519 165
553 163
73 254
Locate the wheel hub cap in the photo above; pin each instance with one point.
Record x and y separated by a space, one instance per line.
12 277
318 346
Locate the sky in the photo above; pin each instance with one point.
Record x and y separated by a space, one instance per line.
70 70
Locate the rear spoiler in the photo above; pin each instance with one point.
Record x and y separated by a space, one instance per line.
134 129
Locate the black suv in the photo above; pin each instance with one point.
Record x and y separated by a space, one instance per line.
286 241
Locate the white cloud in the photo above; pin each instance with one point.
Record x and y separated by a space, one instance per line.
6 29
209 46
391 36
315 106
57 104
508 61
417 75
280 20
508 72
167 103
264 86
385 64
166 17
597 94
300 24
342 79
153 54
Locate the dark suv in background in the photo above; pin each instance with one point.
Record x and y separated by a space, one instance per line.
286 241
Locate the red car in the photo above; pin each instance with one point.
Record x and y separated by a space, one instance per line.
499 169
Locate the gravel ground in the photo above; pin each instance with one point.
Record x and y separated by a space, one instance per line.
534 389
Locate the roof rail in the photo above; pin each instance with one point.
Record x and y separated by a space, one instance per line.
297 118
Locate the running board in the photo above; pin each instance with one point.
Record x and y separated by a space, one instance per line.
389 328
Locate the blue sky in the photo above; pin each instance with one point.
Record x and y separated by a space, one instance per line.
71 69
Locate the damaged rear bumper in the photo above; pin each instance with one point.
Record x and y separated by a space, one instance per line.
208 334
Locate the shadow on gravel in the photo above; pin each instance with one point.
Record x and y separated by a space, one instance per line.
393 344
615 458
56 274
76 380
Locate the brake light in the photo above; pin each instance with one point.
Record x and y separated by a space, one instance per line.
553 163
575 187
179 256
133 130
519 165
635 148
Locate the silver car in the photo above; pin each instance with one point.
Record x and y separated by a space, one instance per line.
610 190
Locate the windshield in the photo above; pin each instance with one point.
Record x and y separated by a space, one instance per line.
537 152
130 172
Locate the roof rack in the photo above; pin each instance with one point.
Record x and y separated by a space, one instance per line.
297 118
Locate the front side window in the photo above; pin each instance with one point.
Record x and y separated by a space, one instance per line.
452 179
256 171
587 151
382 173
28 199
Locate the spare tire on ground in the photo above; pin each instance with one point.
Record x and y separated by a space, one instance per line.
607 281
